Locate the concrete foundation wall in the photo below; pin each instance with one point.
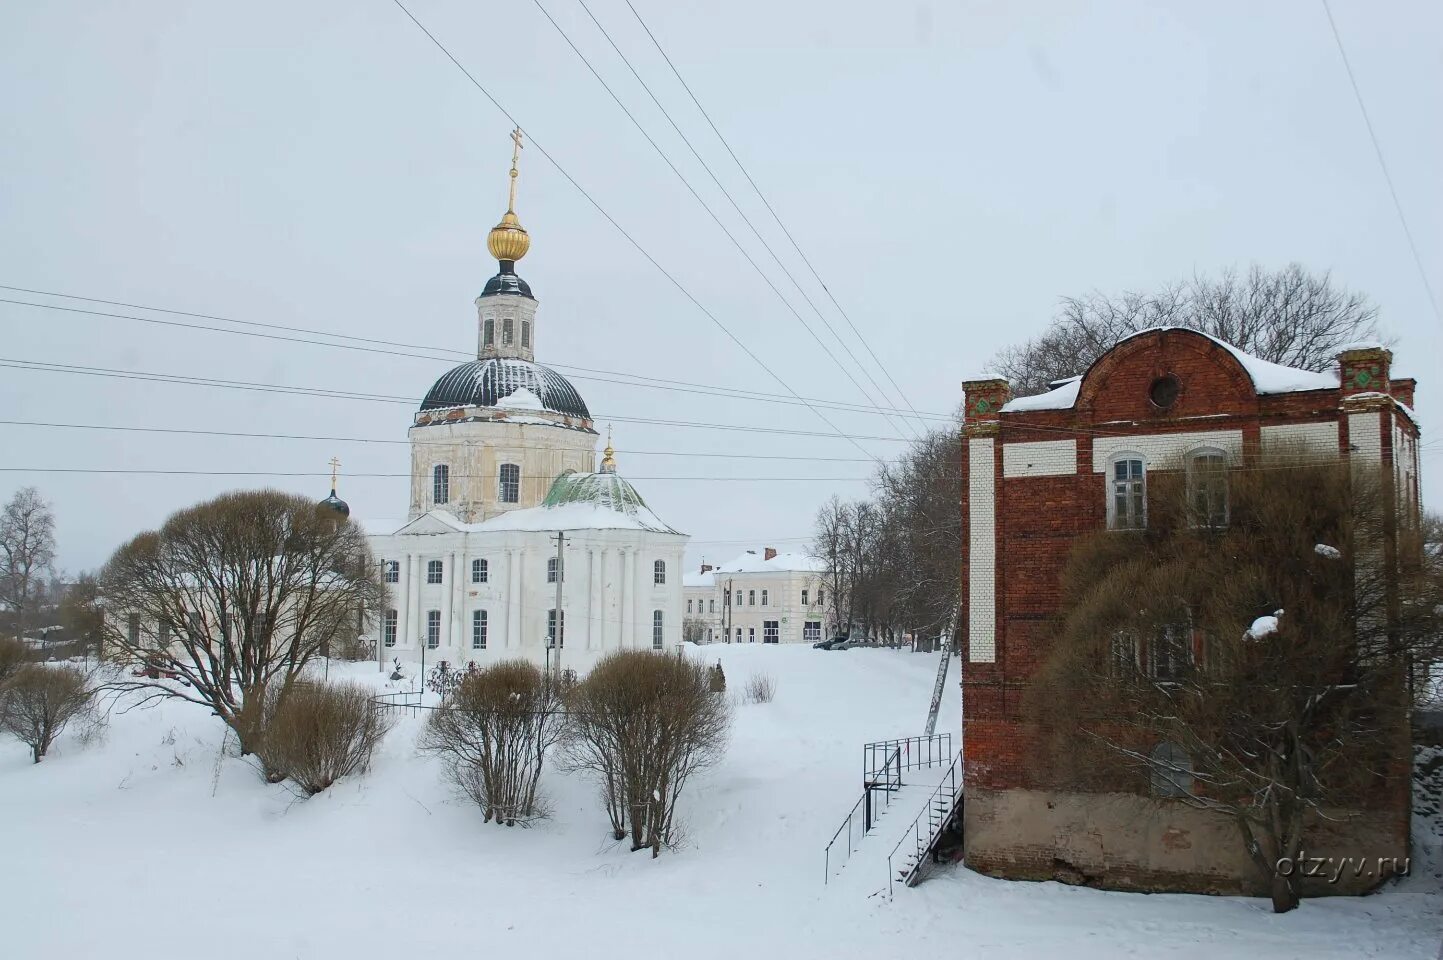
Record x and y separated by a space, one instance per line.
1124 841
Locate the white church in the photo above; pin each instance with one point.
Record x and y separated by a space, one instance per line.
502 462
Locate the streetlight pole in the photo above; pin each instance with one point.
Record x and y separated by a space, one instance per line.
560 578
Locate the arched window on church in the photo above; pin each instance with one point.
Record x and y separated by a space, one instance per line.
510 485
658 572
526 333
508 327
1171 770
488 333
440 484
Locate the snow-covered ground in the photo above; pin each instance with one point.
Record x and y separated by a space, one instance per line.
152 843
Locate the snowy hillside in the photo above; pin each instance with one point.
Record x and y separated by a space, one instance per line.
151 843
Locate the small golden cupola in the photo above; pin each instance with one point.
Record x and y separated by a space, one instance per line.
508 240
608 456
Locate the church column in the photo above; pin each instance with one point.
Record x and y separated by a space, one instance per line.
448 606
628 581
404 601
513 599
417 634
595 605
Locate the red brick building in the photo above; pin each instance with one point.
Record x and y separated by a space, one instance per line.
1040 471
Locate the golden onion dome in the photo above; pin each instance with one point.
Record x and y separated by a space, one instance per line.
508 240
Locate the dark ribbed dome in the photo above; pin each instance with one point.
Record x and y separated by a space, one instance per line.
506 281
486 383
334 504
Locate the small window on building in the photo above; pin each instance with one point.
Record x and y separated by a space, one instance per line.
771 631
478 629
711 604
764 598
440 484
388 629
688 606
480 571
553 567
820 601
1207 488
751 598
1122 653
132 629
433 629
488 333
804 598
1127 502
510 486
737 599
526 333
656 629
739 634
1163 391
1169 656
658 572
393 570
751 634
434 571
507 331
551 640
163 638
1171 768
812 631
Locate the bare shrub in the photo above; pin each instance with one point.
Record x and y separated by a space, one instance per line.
492 731
12 657
761 688
37 703
321 732
642 723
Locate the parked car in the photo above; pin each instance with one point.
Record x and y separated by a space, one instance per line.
835 643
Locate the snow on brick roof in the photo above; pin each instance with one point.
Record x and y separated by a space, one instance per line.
1267 377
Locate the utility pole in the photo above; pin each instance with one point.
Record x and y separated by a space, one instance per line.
727 613
560 577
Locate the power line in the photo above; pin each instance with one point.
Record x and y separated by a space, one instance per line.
48 367
453 476
770 209
1382 163
704 205
678 386
629 238
437 443
726 193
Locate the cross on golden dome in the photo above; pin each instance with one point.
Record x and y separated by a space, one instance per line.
508 240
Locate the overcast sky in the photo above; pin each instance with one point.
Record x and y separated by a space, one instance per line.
951 170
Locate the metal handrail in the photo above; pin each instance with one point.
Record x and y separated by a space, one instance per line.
918 753
936 822
887 779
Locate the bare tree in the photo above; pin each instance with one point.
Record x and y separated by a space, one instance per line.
493 732
321 732
233 597
693 629
39 701
1255 666
644 723
81 614
27 553
13 656
1287 316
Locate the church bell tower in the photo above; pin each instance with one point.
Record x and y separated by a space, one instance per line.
506 310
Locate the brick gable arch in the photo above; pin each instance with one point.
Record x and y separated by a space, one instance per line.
1210 380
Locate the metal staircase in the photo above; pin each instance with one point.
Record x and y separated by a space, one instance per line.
883 763
920 840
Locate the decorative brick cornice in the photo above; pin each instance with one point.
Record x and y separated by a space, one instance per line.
983 399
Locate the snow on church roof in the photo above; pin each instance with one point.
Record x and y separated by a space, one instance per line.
1267 377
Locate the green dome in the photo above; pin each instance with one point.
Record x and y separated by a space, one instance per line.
602 489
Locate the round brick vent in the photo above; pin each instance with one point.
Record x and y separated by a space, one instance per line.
1163 392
